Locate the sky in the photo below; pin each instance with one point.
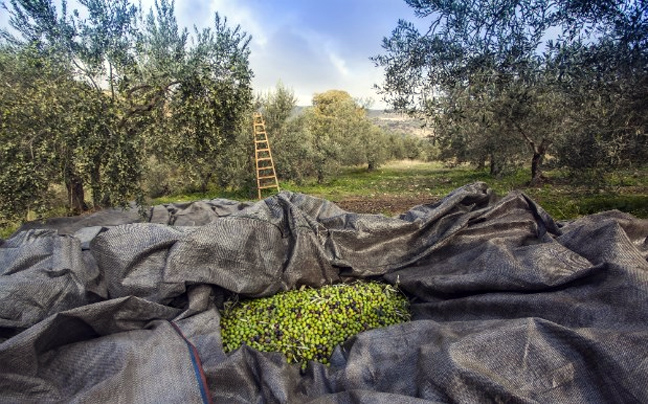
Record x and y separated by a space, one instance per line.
310 46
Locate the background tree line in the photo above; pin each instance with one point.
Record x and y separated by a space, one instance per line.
511 81
334 131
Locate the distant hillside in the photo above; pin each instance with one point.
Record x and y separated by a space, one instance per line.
399 123
394 122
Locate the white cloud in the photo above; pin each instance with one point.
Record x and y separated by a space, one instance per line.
200 13
310 62
239 13
339 63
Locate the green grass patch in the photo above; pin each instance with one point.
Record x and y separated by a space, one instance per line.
398 178
571 205
7 231
404 178
561 197
239 195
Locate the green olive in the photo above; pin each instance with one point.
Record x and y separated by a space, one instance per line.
307 324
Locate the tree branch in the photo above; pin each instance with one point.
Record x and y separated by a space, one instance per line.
526 137
158 96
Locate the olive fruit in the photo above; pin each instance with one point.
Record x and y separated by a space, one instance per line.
307 324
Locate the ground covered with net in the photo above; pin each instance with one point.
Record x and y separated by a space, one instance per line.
506 304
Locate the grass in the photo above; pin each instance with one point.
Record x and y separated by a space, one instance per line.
8 230
402 178
626 191
194 196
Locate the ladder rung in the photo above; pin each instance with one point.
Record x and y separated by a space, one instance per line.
266 176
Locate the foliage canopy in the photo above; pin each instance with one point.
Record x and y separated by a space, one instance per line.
86 100
499 78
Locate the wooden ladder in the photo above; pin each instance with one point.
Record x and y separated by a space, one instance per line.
265 171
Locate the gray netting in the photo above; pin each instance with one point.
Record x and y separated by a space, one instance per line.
508 306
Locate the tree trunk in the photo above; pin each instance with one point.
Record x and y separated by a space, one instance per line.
536 169
204 182
538 155
371 166
97 198
76 194
536 162
481 164
495 166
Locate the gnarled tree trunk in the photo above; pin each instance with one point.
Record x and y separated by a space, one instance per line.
496 166
536 162
76 193
539 152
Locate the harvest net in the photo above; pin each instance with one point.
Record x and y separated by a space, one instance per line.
506 304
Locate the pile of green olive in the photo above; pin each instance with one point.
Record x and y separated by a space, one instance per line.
307 324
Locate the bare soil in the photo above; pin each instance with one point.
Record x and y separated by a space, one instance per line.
388 205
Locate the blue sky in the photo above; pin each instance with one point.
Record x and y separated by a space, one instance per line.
309 45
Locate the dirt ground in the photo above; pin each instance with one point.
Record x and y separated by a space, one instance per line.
388 205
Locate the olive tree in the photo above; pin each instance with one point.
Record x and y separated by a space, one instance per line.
96 146
99 94
207 96
487 75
